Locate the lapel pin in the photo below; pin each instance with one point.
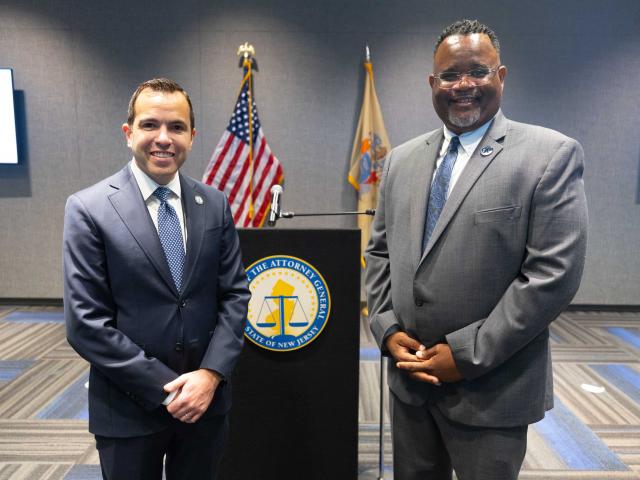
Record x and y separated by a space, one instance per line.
199 200
486 151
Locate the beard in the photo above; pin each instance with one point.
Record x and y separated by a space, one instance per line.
464 120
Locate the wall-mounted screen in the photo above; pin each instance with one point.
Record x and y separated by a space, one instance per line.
8 143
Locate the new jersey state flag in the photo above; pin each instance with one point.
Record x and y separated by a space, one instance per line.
370 146
242 165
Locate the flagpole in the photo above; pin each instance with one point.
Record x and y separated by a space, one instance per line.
367 61
247 52
241 166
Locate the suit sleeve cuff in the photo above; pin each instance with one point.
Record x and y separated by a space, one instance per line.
380 325
390 331
462 343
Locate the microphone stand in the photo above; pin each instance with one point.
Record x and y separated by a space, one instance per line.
369 211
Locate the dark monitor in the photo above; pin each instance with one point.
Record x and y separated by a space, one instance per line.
8 142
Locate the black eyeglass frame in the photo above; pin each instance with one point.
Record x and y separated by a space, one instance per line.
488 74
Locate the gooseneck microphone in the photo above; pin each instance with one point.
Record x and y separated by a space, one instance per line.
276 210
276 191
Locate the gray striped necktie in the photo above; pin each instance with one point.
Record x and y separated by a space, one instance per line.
439 188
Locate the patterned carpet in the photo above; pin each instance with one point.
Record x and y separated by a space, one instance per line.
593 433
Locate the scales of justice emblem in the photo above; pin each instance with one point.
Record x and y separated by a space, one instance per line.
290 303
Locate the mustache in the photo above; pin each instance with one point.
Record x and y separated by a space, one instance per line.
464 96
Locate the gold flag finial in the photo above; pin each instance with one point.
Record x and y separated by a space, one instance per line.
247 56
246 50
247 53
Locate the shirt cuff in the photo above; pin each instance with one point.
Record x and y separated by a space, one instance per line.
170 397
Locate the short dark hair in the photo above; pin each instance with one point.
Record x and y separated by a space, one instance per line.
467 27
158 85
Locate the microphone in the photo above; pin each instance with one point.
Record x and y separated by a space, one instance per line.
274 214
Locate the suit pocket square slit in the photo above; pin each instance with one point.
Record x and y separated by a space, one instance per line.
501 214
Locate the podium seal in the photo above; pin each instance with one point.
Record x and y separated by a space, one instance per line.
290 303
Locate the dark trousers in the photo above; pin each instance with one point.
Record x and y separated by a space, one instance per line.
192 452
427 445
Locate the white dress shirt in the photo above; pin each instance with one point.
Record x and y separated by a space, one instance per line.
147 186
469 141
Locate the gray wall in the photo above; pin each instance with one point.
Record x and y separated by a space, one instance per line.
574 65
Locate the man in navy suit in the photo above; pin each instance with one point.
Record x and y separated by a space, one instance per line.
155 299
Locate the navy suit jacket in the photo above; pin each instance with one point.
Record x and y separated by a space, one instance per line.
124 314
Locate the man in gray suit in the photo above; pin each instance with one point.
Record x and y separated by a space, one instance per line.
155 298
477 245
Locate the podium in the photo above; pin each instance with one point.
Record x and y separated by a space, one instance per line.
295 413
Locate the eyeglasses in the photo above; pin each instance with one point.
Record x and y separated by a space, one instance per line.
474 77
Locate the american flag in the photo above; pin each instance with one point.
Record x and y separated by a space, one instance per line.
246 182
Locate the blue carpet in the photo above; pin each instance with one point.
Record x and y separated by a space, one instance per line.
629 335
556 338
10 369
623 377
35 317
84 472
574 443
71 404
87 472
372 473
369 354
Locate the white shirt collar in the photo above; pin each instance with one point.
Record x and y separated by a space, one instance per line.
469 141
147 185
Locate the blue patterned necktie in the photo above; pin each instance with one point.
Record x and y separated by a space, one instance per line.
170 235
439 188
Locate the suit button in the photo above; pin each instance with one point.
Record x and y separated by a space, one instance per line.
178 347
183 303
419 302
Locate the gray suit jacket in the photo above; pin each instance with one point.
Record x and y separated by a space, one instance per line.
124 314
505 258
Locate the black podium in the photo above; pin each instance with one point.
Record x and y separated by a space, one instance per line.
295 413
